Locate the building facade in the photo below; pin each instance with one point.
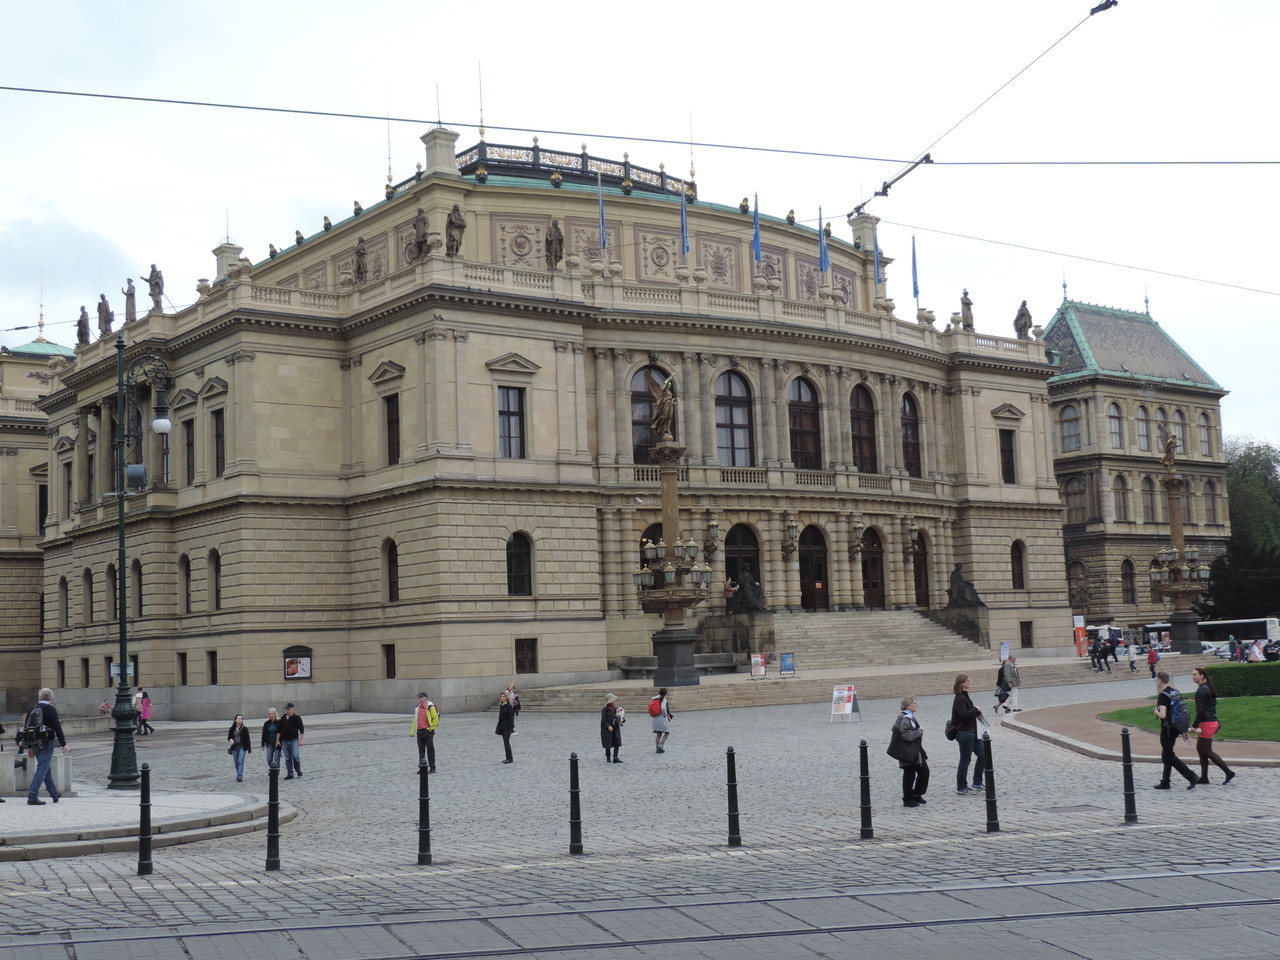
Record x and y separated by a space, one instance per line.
1123 388
409 450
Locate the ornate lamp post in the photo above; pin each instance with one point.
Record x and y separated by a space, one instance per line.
1176 572
150 369
671 579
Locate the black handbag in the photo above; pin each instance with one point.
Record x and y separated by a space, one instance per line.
900 749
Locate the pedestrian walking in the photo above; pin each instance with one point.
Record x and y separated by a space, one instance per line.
966 717
1131 653
506 723
1206 726
906 745
1169 709
291 732
730 588
660 711
238 737
1013 680
1104 655
611 720
425 720
271 738
1153 657
40 735
144 715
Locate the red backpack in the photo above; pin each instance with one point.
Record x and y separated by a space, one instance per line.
655 707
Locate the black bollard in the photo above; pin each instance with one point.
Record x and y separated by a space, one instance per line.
864 778
273 818
735 833
1126 765
993 814
144 823
424 814
575 808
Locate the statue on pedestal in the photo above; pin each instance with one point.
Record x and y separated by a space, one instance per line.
1022 322
105 317
155 287
454 228
664 405
130 304
555 245
966 310
962 592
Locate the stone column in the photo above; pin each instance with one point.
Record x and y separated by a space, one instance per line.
894 599
706 403
581 440
423 376
830 420
781 420
621 403
440 436
81 460
568 390
104 475
242 447
461 400
613 543
892 420
690 419
605 448
770 454
843 416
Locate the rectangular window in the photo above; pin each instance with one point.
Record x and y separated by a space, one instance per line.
211 658
137 675
92 484
106 664
188 452
219 442
182 669
68 482
62 674
391 407
1025 635
511 423
389 661
42 505
164 458
84 671
1008 462
527 655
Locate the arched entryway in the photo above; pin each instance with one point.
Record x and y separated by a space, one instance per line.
815 591
872 570
741 553
920 559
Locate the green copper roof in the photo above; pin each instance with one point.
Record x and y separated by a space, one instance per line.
43 348
1103 340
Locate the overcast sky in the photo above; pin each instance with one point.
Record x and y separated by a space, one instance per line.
95 190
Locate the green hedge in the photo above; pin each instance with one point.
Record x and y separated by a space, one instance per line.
1245 679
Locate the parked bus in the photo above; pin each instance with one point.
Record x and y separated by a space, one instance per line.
1218 632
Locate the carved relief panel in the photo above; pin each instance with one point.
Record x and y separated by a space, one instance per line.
773 263
657 253
808 279
721 257
518 241
375 259
845 281
582 236
316 277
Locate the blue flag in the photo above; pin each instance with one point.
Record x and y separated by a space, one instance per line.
600 194
875 240
915 278
755 222
824 262
684 224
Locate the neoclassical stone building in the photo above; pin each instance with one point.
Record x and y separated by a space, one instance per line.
1122 388
389 465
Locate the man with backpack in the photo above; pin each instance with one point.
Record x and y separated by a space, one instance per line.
1175 720
41 732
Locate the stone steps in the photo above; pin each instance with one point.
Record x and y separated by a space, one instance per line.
831 640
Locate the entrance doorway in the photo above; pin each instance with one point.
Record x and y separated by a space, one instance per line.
872 570
815 590
920 559
741 554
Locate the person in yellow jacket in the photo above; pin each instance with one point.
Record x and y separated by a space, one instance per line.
425 720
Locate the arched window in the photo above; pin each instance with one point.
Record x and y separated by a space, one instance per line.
1018 565
1069 427
64 617
215 580
184 584
1210 502
911 436
1120 497
1128 583
1148 500
390 571
135 587
1162 428
1115 426
735 444
643 439
741 555
1206 435
802 418
863 416
113 593
1180 430
87 581
1144 429
519 566
1073 491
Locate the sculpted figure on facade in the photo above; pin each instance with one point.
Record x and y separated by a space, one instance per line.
962 592
966 310
454 228
82 327
130 304
1169 457
664 405
1022 322
155 287
105 317
555 245
420 228
362 261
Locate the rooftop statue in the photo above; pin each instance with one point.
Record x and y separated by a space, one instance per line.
1022 322
105 317
130 303
82 328
966 310
155 287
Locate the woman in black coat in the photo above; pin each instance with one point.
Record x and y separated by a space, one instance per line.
506 723
240 745
611 721
965 716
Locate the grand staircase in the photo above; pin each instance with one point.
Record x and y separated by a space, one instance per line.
826 641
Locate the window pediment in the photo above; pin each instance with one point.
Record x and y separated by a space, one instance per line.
64 444
512 363
1007 411
183 398
386 371
213 387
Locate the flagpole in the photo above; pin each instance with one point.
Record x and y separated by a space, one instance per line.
915 277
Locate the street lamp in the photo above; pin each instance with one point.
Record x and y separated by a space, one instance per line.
148 369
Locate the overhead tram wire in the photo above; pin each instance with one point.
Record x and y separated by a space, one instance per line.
579 134
924 155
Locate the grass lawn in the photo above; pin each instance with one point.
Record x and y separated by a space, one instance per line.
1242 718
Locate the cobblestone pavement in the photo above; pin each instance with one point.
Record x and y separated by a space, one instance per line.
658 877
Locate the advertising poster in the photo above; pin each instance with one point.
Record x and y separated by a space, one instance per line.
297 668
757 666
787 664
844 702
